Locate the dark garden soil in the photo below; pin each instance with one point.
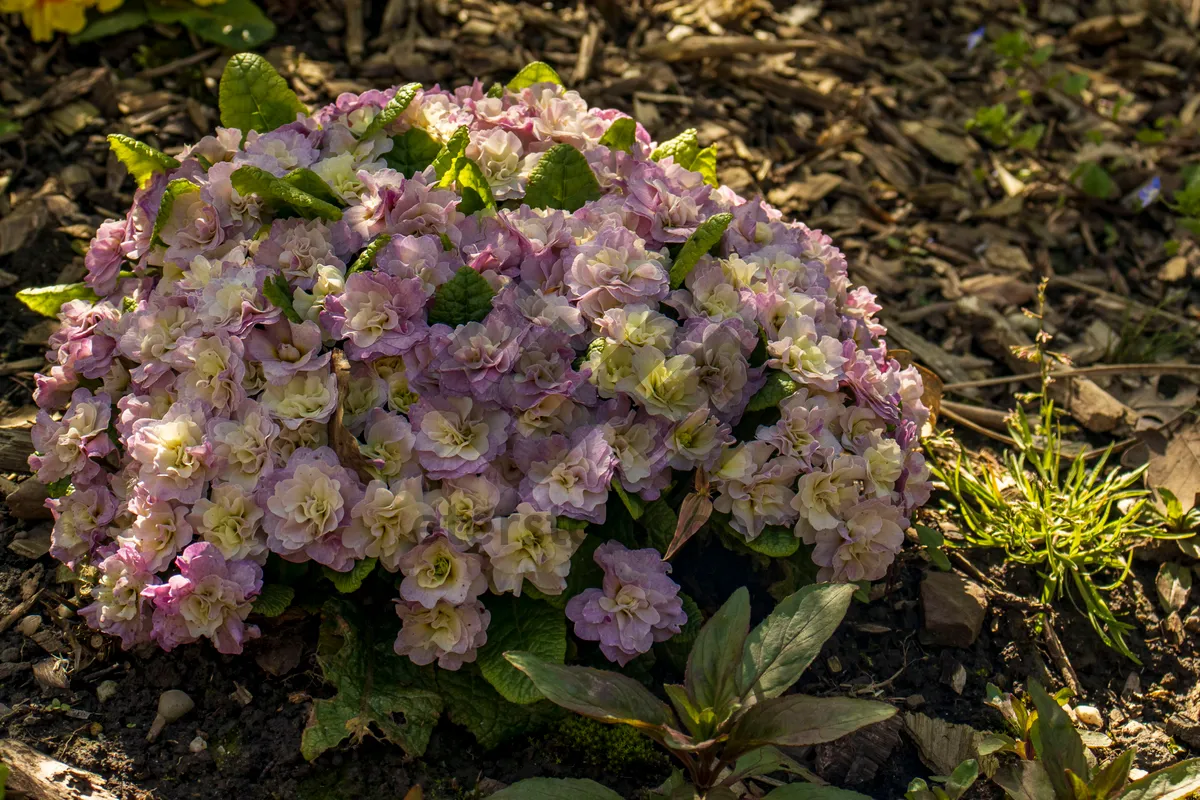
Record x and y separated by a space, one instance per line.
855 127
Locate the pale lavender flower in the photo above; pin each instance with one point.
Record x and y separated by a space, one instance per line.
437 571
862 547
466 506
118 607
80 522
457 435
390 520
211 370
305 397
421 257
158 532
637 606
571 477
670 211
479 354
104 257
241 447
298 248
286 348
66 447
210 598
391 203
230 520
612 270
451 635
805 356
176 460
528 546
378 314
389 442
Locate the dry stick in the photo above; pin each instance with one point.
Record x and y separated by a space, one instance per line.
178 64
355 31
11 618
1124 303
1086 454
587 50
1059 655
1099 369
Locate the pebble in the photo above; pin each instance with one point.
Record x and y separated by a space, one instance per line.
29 625
10 655
106 691
914 701
198 745
1133 685
1090 716
1133 727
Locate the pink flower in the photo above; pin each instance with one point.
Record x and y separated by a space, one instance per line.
118 606
175 457
307 506
379 315
67 446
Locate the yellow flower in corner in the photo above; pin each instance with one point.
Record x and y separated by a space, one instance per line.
46 17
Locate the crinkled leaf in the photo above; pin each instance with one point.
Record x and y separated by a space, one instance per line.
176 188
778 388
254 97
47 300
812 791
775 541
535 72
142 160
528 625
273 600
352 581
392 111
634 504
367 256
779 650
1057 743
472 702
234 24
706 164
412 151
562 178
703 239
556 789
596 693
473 186
683 148
279 294
466 297
376 690
717 652
455 146
130 16
694 511
308 181
1174 782
255 180
799 720
621 134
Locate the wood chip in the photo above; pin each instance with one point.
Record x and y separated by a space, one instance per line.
41 777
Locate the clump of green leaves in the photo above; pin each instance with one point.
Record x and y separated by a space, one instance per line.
1052 763
729 715
236 24
467 297
1077 525
1004 128
950 787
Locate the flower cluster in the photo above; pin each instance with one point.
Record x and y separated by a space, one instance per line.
201 405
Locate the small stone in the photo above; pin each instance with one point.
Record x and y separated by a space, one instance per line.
1090 716
1136 774
1133 727
1133 686
954 609
106 691
834 664
914 701
29 625
198 745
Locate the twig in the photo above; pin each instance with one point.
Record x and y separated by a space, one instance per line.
1059 655
18 612
1099 369
355 31
587 50
21 365
1124 303
178 64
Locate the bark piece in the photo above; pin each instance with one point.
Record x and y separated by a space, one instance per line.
954 609
41 777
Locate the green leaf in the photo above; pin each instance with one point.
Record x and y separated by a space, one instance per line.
466 297
635 505
706 164
562 178
711 666
779 387
374 688
412 151
495 90
963 778
1075 84
683 148
659 522
128 17
473 186
255 180
1057 744
311 183
799 720
775 541
59 488
525 624
273 600
347 582
279 294
47 300
621 134
599 694
472 702
175 189
367 256
933 542
556 789
235 24
446 158
779 650
1175 782
1094 180
392 111
1113 776
253 96
703 239
142 160
811 791
535 72
1025 780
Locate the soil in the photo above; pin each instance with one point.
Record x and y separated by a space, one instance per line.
780 124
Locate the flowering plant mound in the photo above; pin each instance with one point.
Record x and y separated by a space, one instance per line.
461 340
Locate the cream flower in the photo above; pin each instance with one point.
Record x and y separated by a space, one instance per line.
527 546
308 396
390 520
230 520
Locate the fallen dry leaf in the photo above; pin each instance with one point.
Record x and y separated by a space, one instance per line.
1176 467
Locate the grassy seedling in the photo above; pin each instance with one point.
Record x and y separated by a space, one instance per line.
1076 525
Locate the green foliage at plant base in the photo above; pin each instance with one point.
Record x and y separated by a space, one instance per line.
235 24
616 748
